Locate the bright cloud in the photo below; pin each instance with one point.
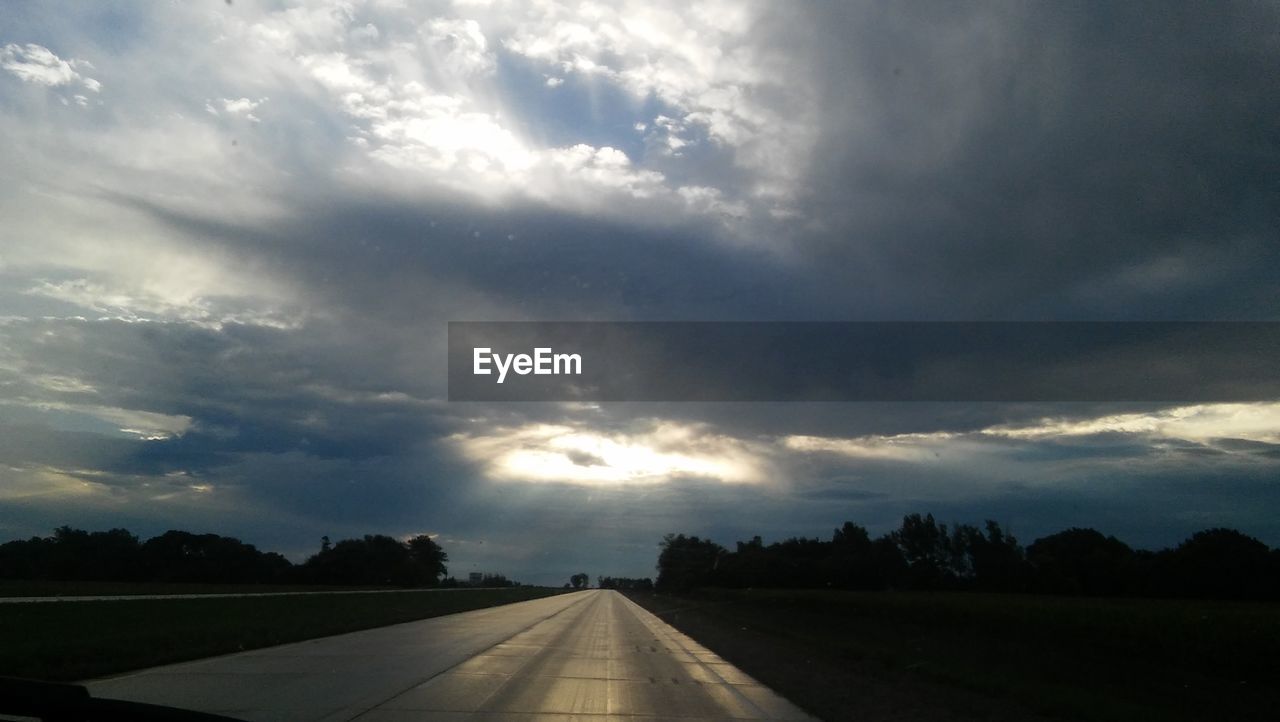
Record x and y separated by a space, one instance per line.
243 107
448 136
897 447
459 46
157 300
423 93
1201 424
699 60
37 64
660 453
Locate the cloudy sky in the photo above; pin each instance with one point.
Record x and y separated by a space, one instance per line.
232 234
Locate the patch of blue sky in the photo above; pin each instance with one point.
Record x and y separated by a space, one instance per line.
111 27
581 109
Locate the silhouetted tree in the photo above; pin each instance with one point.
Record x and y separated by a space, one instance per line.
1081 561
927 549
377 559
686 562
428 560
798 562
749 566
992 561
853 562
179 556
1221 563
890 565
625 584
117 555
923 554
579 580
100 555
24 558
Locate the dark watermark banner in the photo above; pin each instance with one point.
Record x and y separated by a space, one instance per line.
889 361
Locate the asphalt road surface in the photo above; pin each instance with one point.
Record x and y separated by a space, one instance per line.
591 655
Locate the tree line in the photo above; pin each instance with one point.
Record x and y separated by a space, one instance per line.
180 556
923 554
625 584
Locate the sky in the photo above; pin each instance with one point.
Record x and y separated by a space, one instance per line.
232 235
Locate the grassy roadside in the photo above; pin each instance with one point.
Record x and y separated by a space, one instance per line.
79 640
917 656
42 588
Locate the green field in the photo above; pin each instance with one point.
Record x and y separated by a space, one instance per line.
908 656
41 588
84 639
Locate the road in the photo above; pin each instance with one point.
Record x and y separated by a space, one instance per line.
591 655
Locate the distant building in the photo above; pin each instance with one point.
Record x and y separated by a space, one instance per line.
476 579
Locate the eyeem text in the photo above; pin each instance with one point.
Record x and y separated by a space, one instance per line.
543 362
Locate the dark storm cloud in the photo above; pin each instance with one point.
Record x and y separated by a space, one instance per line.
275 420
247 388
1046 160
38 444
386 258
1253 447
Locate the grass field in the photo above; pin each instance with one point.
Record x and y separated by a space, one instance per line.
79 640
909 656
41 588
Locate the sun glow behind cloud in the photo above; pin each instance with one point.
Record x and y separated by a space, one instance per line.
663 452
